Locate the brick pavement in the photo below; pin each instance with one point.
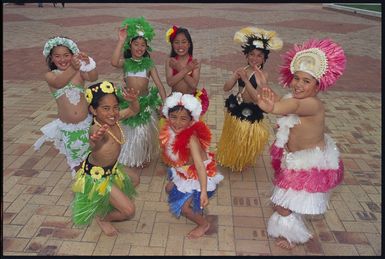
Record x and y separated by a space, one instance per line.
36 185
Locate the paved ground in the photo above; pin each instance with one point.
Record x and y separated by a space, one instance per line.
36 187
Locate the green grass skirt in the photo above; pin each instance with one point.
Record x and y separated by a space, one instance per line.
92 196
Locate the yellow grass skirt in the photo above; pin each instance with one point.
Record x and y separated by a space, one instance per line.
241 142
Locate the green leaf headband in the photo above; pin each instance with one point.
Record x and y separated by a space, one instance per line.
138 27
59 41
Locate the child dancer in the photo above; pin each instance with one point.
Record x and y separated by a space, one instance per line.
102 189
182 70
244 127
131 54
193 174
70 68
306 160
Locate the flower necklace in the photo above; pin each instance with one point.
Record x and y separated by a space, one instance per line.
112 135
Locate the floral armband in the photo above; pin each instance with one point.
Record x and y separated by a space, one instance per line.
87 67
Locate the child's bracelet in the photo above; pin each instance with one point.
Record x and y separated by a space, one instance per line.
87 67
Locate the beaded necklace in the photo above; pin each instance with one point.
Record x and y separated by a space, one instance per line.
112 135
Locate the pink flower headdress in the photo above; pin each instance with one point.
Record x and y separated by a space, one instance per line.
323 59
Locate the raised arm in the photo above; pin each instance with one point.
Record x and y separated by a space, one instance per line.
229 84
130 95
60 80
302 107
88 72
97 136
117 59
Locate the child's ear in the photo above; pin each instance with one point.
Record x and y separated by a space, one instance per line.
92 110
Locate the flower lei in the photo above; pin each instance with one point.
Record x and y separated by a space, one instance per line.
171 33
134 66
106 87
59 41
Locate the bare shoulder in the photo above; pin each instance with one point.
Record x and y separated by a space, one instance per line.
311 105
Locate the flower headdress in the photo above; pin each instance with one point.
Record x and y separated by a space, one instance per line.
138 27
59 41
323 59
171 33
96 91
257 38
188 101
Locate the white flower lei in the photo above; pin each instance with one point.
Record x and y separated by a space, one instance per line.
51 43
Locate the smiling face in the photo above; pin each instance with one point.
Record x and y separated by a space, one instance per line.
181 44
256 57
107 111
138 47
180 120
303 85
61 57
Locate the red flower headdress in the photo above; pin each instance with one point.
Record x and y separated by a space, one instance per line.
171 33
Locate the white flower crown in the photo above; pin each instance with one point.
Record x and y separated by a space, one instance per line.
188 101
51 43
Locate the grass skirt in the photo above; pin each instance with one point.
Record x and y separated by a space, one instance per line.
92 195
241 142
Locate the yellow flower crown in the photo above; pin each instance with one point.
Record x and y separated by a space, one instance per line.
104 87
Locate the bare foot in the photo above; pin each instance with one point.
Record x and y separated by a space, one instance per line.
213 220
283 243
198 231
107 227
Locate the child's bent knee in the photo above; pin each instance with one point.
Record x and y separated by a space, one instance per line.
128 211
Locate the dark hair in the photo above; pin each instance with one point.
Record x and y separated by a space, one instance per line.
249 47
128 54
188 37
179 108
99 94
48 59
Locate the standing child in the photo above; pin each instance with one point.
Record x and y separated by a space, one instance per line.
306 160
69 69
182 70
193 174
131 54
102 189
244 127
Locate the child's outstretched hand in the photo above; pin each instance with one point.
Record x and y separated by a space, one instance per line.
98 135
265 100
204 199
130 94
122 34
